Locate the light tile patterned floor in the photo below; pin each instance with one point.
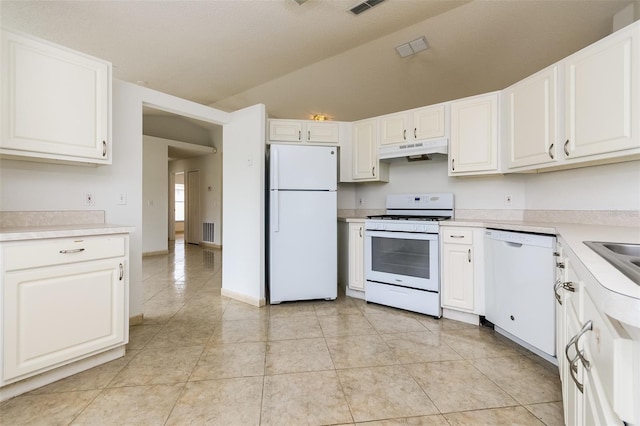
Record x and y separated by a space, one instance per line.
200 358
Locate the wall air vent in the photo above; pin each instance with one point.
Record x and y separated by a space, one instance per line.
364 6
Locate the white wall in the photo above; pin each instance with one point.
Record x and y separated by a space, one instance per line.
243 263
608 187
155 195
482 192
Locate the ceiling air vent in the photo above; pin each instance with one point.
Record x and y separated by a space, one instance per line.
365 5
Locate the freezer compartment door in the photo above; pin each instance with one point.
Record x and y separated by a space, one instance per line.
302 246
303 167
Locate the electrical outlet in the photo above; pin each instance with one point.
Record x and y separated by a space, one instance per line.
508 199
122 198
89 200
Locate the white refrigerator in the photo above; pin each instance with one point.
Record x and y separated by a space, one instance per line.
302 223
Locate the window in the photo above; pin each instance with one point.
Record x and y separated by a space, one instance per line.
179 208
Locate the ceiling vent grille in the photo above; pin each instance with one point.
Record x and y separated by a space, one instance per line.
364 6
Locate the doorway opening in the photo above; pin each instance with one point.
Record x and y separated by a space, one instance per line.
179 207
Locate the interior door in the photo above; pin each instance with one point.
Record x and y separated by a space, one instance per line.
193 229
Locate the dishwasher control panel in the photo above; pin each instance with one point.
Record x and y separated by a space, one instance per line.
539 240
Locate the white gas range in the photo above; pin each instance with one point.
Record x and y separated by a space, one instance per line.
402 252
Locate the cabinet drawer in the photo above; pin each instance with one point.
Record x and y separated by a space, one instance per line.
457 236
62 251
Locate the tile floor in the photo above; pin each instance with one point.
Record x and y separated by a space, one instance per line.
200 358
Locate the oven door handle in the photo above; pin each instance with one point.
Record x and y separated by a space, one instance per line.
401 235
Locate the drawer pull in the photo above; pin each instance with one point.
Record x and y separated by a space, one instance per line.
574 370
456 236
588 326
556 287
71 251
121 272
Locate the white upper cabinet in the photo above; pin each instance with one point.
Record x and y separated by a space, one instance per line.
417 124
56 103
473 148
364 153
603 95
531 120
303 131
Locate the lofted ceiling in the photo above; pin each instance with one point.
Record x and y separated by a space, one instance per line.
317 57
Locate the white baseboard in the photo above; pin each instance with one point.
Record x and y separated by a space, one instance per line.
242 297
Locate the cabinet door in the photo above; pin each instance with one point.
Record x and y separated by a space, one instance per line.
319 132
365 150
285 130
457 274
429 122
531 120
56 102
602 96
59 314
393 129
474 135
356 256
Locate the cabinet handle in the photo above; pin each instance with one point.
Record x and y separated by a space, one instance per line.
453 164
373 171
588 326
104 148
569 286
71 251
573 369
415 133
361 232
308 135
456 236
566 150
299 135
550 151
404 134
556 287
469 255
121 272
560 265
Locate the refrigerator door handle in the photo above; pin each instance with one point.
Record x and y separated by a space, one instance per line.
275 219
275 170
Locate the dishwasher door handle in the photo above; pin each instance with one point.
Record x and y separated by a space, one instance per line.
514 245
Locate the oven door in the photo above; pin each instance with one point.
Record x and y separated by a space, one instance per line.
402 258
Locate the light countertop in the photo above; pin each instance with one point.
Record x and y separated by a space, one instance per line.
61 231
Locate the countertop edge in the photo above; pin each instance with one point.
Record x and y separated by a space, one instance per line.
62 231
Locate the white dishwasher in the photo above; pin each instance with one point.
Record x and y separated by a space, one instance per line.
520 269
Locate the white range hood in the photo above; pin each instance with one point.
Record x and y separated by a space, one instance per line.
414 150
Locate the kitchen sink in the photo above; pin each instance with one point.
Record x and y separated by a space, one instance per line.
624 257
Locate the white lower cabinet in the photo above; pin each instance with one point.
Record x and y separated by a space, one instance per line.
462 260
351 256
595 354
63 300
